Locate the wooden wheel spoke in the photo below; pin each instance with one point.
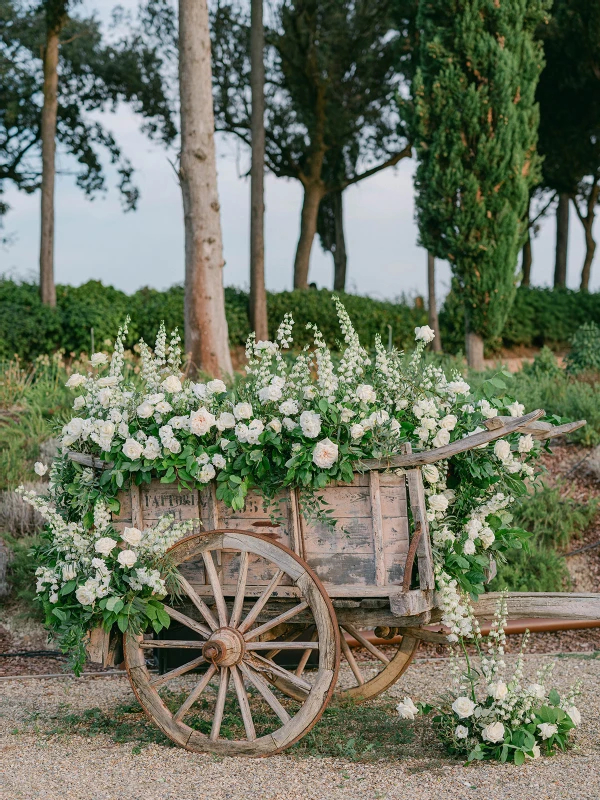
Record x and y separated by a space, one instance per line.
199 603
283 645
175 673
266 667
351 660
243 703
238 603
305 656
216 587
272 623
272 653
195 693
263 687
185 644
220 704
261 602
365 643
188 621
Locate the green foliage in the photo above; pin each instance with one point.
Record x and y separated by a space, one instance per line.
585 350
475 131
543 365
21 572
535 569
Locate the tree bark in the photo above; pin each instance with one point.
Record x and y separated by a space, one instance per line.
474 347
258 295
340 258
434 323
526 263
55 23
562 240
588 226
206 335
313 192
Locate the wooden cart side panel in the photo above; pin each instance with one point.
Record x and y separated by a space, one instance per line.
419 510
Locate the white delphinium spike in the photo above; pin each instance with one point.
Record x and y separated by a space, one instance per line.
327 380
149 371
285 332
160 348
174 359
117 360
354 359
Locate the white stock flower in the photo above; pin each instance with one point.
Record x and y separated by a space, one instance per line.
430 473
243 411
39 468
79 402
274 425
105 545
463 707
216 387
145 410
461 732
288 407
357 431
85 595
325 454
207 473
127 558
104 397
309 393
469 547
310 422
442 438
449 422
172 384
499 690
407 709
132 536
526 443
75 380
438 502
225 420
516 409
494 732
547 730
574 714
201 421
98 359
366 393
151 448
132 449
536 690
502 449
219 461
424 334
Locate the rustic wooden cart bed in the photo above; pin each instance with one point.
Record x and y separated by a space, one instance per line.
252 590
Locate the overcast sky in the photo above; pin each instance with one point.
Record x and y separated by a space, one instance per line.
145 248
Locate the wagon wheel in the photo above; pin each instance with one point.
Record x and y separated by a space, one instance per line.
242 684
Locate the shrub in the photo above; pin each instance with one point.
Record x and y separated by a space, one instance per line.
585 350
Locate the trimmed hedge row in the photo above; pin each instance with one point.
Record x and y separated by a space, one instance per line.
538 317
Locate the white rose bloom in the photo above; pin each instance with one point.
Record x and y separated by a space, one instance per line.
289 424
163 407
526 443
79 402
172 384
104 397
85 595
69 572
325 454
219 461
516 409
547 730
536 690
243 411
269 394
216 387
288 407
347 414
98 359
463 707
127 558
535 752
106 429
180 423
429 423
39 468
407 709
442 438
395 426
241 432
173 445
207 473
573 712
201 421
310 393
424 334
438 502
499 690
123 430
469 547
255 428
487 537
357 431
107 383
132 449
155 399
502 449
278 381
225 420
458 387
448 422
366 393
199 389
494 732
430 473
75 380
275 425
461 732
145 410
132 536
310 424
67 440
487 410
203 459
105 545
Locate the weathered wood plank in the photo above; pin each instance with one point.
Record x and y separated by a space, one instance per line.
377 523
539 429
560 605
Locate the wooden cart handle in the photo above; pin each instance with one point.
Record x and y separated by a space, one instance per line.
410 556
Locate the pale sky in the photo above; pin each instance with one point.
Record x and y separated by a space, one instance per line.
145 248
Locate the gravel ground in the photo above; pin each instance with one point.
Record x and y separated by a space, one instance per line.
37 764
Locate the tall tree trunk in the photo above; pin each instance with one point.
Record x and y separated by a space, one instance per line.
527 259
56 18
313 192
340 259
434 322
474 347
562 240
588 226
258 295
206 335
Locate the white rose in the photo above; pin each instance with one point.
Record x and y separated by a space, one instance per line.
310 393
145 410
347 414
573 712
357 431
105 545
288 407
325 454
132 449
536 690
199 389
458 387
442 438
201 421
547 730
275 425
461 732
98 359
219 461
535 752
85 595
216 387
407 709
173 445
255 428
75 380
289 424
424 334
366 393
39 468
438 502
487 537
206 474
469 547
310 424
487 410
75 426
494 732
155 399
172 384
526 443
127 558
498 691
163 407
516 409
502 449
430 473
104 397
463 707
241 431
106 429
132 536
151 448
269 394
448 422
243 411
79 402
225 420
123 430
107 383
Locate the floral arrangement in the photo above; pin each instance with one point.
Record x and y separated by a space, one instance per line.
298 420
486 716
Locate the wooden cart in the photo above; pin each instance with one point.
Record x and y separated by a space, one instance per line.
252 591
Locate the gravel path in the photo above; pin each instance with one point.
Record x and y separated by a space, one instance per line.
39 764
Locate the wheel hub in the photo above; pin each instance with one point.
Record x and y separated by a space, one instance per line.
224 648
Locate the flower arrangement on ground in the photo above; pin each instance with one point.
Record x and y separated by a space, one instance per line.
300 420
488 716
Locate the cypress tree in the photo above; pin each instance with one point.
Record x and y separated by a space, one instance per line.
475 132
